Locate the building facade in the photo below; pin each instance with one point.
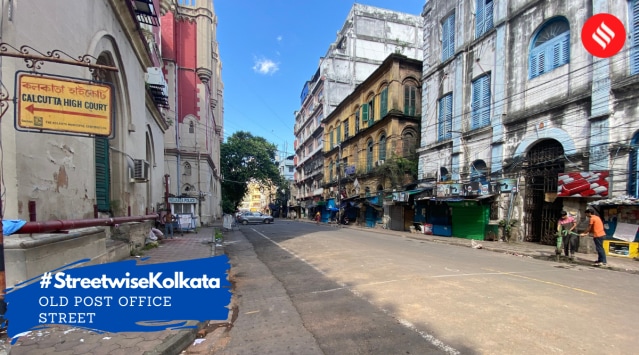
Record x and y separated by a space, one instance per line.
510 94
64 176
368 36
192 145
370 140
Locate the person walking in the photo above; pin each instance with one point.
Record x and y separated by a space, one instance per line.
596 229
565 230
318 216
168 224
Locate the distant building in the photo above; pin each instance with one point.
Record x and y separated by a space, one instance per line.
368 36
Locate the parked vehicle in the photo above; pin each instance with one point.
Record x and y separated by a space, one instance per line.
255 217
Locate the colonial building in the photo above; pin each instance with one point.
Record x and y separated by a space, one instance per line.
370 140
66 176
368 36
512 97
192 145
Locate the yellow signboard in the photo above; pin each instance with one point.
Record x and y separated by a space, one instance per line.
63 105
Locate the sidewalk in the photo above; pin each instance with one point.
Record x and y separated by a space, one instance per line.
70 340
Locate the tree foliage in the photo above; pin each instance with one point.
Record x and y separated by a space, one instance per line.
245 158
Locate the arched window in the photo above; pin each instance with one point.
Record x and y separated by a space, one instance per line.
478 171
411 99
369 155
381 149
550 47
633 167
187 169
408 143
191 127
443 174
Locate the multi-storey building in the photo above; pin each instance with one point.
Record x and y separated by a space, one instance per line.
368 36
509 91
192 147
370 141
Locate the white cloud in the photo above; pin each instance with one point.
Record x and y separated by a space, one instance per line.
265 66
279 38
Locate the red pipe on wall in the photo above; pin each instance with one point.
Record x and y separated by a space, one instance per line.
63 225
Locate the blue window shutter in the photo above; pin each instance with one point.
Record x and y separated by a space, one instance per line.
448 37
488 15
365 114
451 35
476 104
445 121
479 18
102 175
485 101
634 52
384 102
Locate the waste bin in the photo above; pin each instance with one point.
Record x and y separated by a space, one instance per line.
492 231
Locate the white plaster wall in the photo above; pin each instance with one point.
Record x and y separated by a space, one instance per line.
58 171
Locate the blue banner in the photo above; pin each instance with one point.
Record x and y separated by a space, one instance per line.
125 296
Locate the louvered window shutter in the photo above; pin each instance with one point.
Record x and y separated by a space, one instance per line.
384 103
634 51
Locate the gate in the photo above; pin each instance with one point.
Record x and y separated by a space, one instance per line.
545 161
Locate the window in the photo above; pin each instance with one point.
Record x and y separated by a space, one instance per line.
480 114
634 35
383 109
381 150
357 121
187 169
445 117
331 139
550 47
368 113
339 134
346 134
369 155
191 127
448 37
633 167
483 17
410 100
478 170
408 143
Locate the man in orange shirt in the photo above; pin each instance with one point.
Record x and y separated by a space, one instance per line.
596 229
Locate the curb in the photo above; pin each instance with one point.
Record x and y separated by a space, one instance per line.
175 343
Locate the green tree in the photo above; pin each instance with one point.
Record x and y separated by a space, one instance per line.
246 158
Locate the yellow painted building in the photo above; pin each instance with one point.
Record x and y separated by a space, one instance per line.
371 137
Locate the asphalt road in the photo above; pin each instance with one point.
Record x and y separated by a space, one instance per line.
360 292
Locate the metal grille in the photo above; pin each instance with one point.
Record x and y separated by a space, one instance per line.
545 162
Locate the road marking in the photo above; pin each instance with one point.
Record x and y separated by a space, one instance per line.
545 282
428 337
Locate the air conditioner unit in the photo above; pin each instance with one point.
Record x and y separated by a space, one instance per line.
140 172
379 162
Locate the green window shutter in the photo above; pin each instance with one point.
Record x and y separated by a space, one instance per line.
365 115
102 175
339 134
384 103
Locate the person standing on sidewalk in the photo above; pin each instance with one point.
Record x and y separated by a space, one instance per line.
168 224
565 228
596 229
318 216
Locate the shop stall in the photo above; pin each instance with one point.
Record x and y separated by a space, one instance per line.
620 216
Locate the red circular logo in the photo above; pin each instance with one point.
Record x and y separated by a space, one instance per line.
603 35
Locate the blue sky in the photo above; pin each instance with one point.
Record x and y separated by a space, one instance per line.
269 49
